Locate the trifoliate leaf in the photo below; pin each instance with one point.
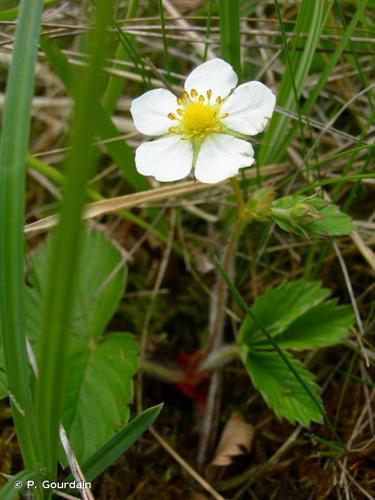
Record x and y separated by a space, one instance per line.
280 388
324 325
99 389
100 282
309 216
278 307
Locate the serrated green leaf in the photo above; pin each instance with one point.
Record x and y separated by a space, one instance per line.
324 325
278 307
280 389
99 389
100 282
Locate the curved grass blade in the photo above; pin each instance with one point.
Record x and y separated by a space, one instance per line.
327 70
13 151
310 19
63 263
118 445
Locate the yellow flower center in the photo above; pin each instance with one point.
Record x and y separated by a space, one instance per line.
197 116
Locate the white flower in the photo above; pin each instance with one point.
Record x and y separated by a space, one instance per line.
204 128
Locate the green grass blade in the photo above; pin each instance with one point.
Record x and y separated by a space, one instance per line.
118 445
119 150
230 33
64 259
165 39
121 153
208 29
115 85
13 151
311 20
327 70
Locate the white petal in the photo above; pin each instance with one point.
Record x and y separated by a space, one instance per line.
215 75
249 108
221 156
150 112
166 159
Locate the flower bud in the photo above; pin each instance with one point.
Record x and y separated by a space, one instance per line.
304 213
259 205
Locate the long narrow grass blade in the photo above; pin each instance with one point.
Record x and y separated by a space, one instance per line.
64 259
165 39
311 20
115 85
327 70
230 33
119 150
120 442
13 151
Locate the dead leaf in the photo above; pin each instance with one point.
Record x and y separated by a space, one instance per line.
236 439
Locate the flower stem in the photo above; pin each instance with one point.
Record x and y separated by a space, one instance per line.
242 210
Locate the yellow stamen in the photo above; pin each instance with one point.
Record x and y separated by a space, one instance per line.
198 117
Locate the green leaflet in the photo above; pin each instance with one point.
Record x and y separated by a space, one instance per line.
282 392
100 369
278 307
100 282
323 325
297 317
99 389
